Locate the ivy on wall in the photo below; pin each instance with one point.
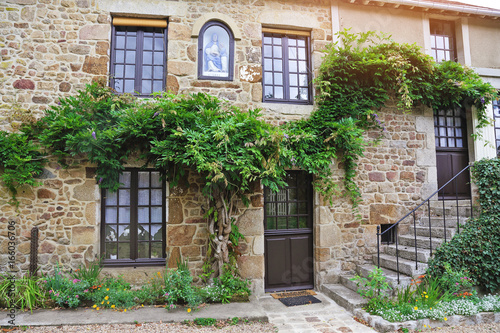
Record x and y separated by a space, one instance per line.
230 148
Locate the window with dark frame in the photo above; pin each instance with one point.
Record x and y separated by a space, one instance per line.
286 68
496 116
133 220
291 206
450 128
389 237
138 59
443 41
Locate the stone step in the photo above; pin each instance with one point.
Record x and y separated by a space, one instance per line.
390 275
408 252
346 281
344 296
439 222
422 242
406 267
450 209
436 232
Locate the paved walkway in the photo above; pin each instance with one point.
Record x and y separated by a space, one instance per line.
324 317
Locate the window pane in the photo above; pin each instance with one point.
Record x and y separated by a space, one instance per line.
292 208
304 93
143 179
125 179
301 42
111 215
440 56
292 53
156 197
110 234
156 232
271 223
302 67
293 80
303 222
277 40
146 87
294 93
268 64
158 44
111 252
158 58
157 86
156 250
277 52
143 214
440 42
292 222
292 66
451 132
120 57
302 54
451 142
130 57
268 40
110 198
278 91
118 86
302 207
292 42
147 58
143 250
282 223
156 214
460 143
130 71
129 86
120 42
131 43
143 197
278 65
442 142
147 72
292 194
268 92
124 251
158 72
155 179
278 78
123 232
458 121
148 43
119 71
268 78
303 81
124 215
268 51
143 232
124 197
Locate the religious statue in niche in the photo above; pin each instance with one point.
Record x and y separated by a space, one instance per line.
215 53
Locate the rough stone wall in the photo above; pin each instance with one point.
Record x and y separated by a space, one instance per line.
52 48
394 175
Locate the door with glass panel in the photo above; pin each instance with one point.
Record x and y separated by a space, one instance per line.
133 220
452 154
288 235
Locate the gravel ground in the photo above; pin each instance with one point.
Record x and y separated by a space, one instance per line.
489 328
252 327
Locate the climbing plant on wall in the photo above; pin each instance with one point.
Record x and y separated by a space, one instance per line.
230 148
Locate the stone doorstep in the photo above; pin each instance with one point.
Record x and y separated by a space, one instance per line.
382 325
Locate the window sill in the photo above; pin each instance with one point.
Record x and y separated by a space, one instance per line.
133 263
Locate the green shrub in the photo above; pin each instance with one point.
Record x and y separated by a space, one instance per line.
90 274
22 293
179 287
373 288
229 286
112 293
477 248
205 321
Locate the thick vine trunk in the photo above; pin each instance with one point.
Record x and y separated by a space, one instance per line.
220 227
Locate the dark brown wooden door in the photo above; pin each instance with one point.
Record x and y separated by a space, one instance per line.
452 154
288 235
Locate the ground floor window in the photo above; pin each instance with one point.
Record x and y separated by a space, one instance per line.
133 220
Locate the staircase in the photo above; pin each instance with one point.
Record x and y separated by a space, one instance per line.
423 230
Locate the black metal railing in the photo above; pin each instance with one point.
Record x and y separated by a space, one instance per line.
415 214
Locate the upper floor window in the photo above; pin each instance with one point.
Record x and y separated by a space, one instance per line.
133 220
215 52
443 41
496 115
286 66
138 56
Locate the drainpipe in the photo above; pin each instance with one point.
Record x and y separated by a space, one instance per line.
480 11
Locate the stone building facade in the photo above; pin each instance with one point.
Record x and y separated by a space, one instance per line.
52 48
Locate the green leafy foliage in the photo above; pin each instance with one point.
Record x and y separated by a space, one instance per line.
21 161
179 287
205 321
374 288
22 293
477 248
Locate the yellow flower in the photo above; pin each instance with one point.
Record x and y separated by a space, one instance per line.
106 298
445 319
125 310
124 289
425 326
107 289
102 302
189 310
426 296
142 305
107 302
98 288
94 306
425 292
416 308
113 306
431 308
158 273
97 309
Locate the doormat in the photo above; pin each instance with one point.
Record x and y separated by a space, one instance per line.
299 300
293 294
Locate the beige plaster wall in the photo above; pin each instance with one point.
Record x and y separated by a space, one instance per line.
485 43
405 26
